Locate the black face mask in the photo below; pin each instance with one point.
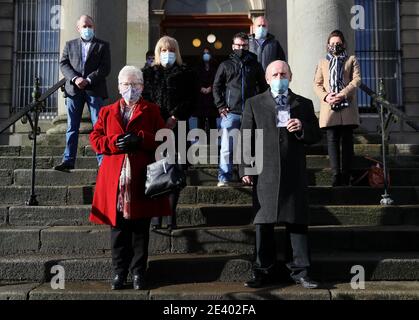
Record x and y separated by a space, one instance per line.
336 49
240 52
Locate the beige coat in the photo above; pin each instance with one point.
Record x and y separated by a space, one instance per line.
352 80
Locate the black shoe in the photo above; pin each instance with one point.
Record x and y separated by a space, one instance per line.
257 281
307 283
139 282
64 167
118 282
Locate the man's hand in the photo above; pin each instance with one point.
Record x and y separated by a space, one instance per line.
294 125
247 180
81 83
128 142
171 122
223 111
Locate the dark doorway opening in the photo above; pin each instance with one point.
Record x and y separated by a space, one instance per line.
186 29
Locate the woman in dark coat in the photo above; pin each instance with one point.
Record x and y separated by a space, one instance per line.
205 109
172 86
125 135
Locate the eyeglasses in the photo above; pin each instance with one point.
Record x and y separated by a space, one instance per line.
126 85
241 46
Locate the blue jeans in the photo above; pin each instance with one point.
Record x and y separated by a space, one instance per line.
228 123
75 107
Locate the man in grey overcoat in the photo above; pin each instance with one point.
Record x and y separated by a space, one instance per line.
289 123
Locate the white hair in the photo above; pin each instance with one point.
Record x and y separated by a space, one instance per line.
131 70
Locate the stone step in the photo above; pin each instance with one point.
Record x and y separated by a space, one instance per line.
44 162
319 149
90 162
99 290
170 269
317 195
83 195
217 215
86 240
315 177
196 177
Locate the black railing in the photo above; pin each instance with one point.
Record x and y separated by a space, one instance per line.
30 114
388 113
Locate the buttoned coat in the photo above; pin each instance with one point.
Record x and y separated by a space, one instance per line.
352 80
145 122
280 190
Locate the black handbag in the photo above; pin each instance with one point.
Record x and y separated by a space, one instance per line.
164 178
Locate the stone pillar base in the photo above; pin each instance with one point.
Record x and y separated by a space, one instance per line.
60 125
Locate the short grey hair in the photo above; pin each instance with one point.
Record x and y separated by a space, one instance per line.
131 70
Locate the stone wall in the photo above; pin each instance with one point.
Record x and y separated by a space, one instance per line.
6 61
409 28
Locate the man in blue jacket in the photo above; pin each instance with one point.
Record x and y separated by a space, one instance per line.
263 44
237 79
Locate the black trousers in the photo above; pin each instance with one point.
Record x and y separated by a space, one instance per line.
297 256
129 245
207 123
174 196
337 137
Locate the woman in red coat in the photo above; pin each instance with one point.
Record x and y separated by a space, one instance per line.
125 135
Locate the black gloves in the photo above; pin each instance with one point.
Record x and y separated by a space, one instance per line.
128 142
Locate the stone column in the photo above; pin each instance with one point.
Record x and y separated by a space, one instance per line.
110 25
137 34
309 24
156 17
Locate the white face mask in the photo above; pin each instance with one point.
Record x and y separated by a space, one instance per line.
131 95
167 58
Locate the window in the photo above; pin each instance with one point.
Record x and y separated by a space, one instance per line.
378 50
36 51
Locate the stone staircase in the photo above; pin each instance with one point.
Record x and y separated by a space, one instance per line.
210 255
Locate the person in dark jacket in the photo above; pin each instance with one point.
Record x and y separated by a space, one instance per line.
205 110
237 79
279 182
149 59
170 84
264 44
85 64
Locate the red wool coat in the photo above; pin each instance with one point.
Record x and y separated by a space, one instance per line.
145 121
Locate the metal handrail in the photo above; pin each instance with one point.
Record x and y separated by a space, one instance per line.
386 117
31 113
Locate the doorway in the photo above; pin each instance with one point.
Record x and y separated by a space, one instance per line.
196 32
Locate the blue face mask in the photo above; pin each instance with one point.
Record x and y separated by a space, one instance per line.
87 34
206 57
279 86
261 33
167 58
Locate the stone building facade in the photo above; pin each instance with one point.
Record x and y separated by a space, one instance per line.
133 27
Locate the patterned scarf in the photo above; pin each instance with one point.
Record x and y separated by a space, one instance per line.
336 68
124 195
